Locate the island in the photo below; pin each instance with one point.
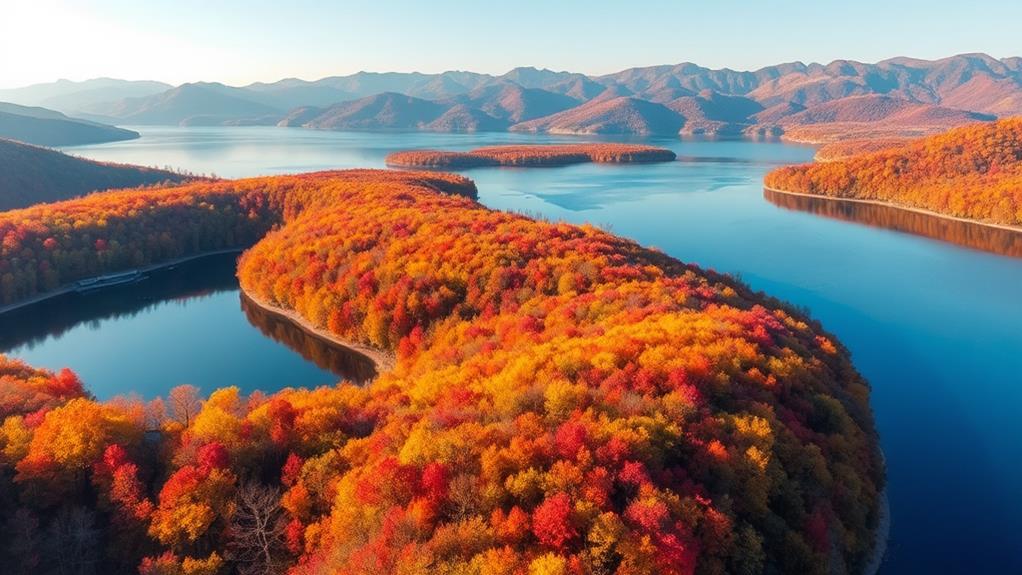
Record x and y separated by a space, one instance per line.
531 156
552 395
971 174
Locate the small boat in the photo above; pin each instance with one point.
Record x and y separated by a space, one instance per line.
91 284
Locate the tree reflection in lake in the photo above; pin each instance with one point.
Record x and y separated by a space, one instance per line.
132 337
353 366
200 278
976 236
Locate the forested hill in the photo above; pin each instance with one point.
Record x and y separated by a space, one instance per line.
973 172
31 175
43 127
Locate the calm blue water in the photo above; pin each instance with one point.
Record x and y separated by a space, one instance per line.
936 328
188 325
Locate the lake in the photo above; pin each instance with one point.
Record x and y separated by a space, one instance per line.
936 328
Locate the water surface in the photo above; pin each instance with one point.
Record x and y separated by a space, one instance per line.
186 325
935 327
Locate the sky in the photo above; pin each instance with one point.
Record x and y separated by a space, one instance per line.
239 42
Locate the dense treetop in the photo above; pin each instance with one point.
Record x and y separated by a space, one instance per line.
47 246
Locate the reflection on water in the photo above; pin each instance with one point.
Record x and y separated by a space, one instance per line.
32 325
350 364
187 324
976 236
729 160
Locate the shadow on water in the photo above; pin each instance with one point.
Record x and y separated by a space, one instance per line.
184 284
730 160
349 364
31 325
979 237
908 395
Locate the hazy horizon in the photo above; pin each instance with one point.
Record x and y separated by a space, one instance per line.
496 74
240 43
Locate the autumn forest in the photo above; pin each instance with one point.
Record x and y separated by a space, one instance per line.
404 288
973 172
562 401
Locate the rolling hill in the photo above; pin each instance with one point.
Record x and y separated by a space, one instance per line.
71 97
514 103
188 104
389 110
44 127
622 115
32 175
877 108
973 172
873 116
714 114
464 118
491 108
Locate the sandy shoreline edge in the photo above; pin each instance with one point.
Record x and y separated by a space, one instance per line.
923 211
382 360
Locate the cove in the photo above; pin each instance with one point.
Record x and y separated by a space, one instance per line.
187 324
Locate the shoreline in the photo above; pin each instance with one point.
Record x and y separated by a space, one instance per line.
883 535
881 203
382 360
70 288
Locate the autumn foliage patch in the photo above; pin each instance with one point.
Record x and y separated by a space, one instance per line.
973 172
564 401
531 155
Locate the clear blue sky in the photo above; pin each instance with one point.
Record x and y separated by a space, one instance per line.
259 40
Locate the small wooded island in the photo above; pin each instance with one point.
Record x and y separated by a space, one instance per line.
972 173
532 156
559 397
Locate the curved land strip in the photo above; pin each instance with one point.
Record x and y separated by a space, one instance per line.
531 156
560 396
972 173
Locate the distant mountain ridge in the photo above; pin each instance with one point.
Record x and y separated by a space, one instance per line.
664 100
70 97
44 127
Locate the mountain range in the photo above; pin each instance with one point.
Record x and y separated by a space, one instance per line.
813 102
